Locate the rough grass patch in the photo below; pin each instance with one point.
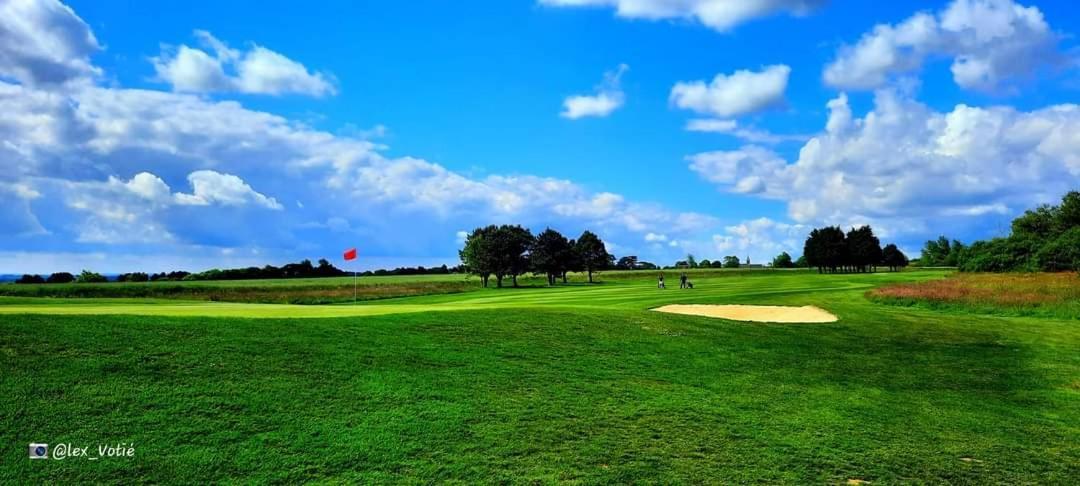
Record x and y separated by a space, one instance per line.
1050 294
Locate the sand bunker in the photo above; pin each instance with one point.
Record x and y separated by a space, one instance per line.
754 313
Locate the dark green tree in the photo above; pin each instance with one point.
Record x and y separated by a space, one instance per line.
731 261
783 260
629 262
550 254
30 279
892 257
863 249
60 277
510 246
478 255
1062 253
90 277
591 254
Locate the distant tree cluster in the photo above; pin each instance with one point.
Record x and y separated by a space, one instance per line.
303 269
831 250
440 270
1046 238
511 250
941 253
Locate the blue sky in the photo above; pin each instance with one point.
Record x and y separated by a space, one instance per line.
155 136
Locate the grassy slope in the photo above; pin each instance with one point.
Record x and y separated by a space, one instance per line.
554 384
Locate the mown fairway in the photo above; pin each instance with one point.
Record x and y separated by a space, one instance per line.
578 383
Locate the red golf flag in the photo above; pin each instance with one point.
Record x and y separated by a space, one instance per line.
350 254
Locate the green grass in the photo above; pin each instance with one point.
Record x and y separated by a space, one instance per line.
281 291
574 384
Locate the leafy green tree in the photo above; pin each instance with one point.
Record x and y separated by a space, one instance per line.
935 252
510 252
863 249
691 261
826 248
783 260
1062 253
629 262
90 277
801 262
477 255
550 254
705 263
892 257
731 261
591 253
133 277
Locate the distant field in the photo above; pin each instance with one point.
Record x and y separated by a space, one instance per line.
578 383
318 290
1049 294
276 291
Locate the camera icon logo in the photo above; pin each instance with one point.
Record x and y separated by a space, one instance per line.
39 451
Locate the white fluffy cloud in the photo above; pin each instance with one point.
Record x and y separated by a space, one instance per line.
990 42
92 166
735 94
214 187
720 15
43 43
749 134
760 239
904 165
608 98
257 70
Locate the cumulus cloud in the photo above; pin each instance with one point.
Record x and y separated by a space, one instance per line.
111 154
989 42
761 239
608 98
735 94
749 134
43 43
905 166
257 70
720 15
214 187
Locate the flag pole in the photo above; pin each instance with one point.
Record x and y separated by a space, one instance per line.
354 285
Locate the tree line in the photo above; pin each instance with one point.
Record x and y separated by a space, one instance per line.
302 269
831 250
509 251
1046 238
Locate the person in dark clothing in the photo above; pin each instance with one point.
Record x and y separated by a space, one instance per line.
682 281
660 283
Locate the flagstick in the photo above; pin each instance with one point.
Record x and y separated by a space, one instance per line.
354 286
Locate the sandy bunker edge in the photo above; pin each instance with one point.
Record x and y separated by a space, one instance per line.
753 313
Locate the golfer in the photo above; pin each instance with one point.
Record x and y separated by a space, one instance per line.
682 281
660 283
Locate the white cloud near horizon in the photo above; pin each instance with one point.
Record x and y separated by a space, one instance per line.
731 95
904 166
719 15
608 98
94 167
989 42
257 70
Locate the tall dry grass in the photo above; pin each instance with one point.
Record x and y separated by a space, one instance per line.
1055 294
